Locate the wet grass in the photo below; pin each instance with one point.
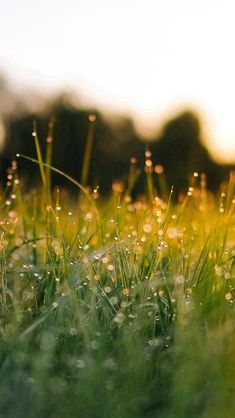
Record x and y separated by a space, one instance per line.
116 308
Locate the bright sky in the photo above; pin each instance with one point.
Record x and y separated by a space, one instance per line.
146 57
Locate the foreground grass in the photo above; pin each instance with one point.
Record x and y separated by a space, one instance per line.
119 308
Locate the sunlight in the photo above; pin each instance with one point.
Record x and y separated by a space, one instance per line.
144 59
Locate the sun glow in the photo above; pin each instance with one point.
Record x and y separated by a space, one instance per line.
145 58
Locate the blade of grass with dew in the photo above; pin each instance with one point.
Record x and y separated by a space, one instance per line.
88 150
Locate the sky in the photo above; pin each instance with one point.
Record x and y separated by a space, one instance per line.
148 58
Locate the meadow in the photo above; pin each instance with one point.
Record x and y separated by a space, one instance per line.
116 307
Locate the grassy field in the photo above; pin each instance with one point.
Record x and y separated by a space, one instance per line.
116 308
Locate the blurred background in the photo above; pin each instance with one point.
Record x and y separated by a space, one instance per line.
157 74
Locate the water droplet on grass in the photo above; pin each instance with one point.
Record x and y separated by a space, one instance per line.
80 364
114 300
179 279
110 364
73 331
94 345
228 296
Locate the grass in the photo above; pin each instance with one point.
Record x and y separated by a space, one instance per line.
116 308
